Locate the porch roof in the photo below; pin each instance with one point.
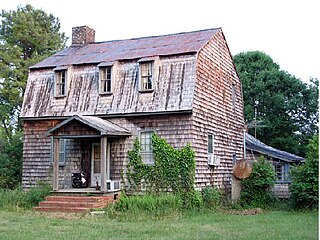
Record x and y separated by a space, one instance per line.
255 145
105 127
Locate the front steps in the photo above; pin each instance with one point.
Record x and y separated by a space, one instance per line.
65 203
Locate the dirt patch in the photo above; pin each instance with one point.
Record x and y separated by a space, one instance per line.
253 211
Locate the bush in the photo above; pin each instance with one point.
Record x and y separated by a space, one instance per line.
212 197
11 161
305 179
257 188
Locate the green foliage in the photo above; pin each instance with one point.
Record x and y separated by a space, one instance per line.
286 104
173 170
17 199
138 207
11 161
212 197
257 188
305 179
27 36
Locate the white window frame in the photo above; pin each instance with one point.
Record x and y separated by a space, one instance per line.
62 151
146 149
61 83
146 76
105 80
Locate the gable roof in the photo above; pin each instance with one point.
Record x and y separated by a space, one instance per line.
103 126
179 43
255 145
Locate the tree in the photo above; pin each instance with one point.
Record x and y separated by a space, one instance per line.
27 36
305 179
287 108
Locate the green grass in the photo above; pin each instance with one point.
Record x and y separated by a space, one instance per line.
192 225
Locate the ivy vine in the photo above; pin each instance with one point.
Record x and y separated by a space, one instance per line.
173 169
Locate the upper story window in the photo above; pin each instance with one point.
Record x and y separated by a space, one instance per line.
146 147
146 78
60 83
105 79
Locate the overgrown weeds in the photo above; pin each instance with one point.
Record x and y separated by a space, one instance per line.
18 199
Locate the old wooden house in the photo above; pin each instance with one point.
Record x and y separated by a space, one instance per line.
84 106
281 160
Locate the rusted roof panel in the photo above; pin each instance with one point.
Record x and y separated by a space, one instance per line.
130 49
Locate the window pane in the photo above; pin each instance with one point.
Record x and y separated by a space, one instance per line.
146 75
210 143
96 167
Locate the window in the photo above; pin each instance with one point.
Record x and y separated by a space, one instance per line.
210 144
60 83
146 76
282 172
146 147
234 95
105 79
62 151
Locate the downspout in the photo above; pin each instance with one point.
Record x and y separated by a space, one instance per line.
244 144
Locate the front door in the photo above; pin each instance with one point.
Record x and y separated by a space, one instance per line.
96 164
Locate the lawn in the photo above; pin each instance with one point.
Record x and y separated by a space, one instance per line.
211 225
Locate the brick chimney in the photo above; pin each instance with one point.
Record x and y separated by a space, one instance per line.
83 35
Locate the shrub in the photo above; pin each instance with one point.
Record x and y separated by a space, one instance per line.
212 197
257 188
305 179
11 161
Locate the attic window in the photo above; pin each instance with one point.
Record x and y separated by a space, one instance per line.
146 78
60 83
105 79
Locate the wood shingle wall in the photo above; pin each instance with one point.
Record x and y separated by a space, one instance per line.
173 90
217 111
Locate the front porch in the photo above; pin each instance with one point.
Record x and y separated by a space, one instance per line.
87 168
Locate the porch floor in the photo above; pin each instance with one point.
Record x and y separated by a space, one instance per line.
82 191
77 200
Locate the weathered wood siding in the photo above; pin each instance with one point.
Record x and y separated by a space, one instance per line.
173 90
216 112
175 128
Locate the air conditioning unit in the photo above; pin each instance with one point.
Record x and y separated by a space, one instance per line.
113 186
213 160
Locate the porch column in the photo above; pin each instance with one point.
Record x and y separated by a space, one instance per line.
108 161
103 144
56 164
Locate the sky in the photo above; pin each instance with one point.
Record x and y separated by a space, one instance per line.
288 31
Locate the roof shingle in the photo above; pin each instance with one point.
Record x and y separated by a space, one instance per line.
129 49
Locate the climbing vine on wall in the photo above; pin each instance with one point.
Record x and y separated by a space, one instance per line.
173 169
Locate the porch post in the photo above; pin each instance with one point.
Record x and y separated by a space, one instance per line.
103 144
108 161
56 164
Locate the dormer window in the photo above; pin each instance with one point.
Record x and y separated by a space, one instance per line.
61 83
105 79
146 78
